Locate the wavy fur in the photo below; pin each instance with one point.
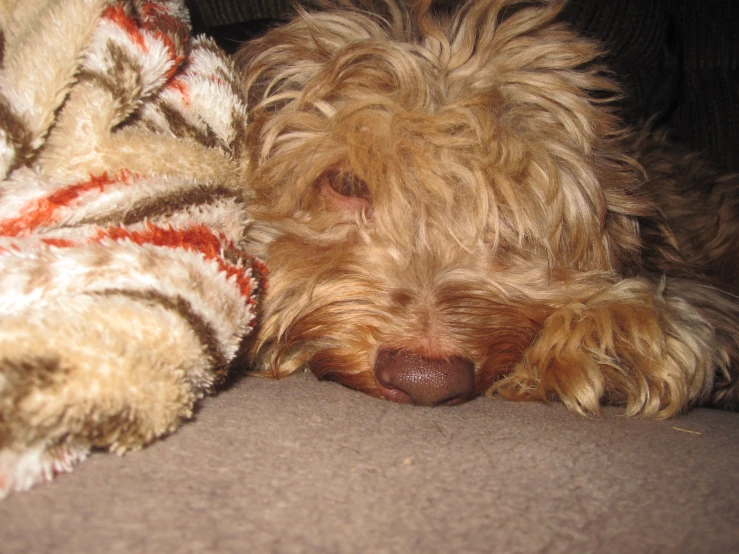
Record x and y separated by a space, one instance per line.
502 216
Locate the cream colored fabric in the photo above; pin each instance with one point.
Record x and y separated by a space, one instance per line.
124 294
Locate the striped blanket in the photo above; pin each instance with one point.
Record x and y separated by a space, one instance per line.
124 294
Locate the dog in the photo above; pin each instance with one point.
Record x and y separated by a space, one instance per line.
450 206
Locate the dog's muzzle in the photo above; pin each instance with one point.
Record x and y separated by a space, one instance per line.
410 378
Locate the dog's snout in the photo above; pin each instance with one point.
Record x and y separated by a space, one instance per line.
410 377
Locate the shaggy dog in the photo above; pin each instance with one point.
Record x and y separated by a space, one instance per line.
450 206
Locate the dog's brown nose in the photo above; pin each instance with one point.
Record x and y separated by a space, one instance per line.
425 381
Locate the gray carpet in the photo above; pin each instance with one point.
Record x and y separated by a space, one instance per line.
303 466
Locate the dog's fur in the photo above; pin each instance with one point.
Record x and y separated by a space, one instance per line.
459 190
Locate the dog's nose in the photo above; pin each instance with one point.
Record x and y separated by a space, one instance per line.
425 381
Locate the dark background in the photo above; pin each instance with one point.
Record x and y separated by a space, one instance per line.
677 59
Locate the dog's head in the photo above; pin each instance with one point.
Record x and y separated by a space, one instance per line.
427 189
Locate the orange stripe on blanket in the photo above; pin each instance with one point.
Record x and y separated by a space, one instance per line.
198 238
217 80
179 86
117 15
45 211
58 242
157 20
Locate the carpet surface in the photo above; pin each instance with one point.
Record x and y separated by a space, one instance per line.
302 466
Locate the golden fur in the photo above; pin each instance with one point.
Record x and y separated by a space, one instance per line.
461 188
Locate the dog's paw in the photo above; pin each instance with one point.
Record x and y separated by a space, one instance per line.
631 345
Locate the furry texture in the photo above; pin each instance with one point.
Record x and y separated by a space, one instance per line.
451 191
124 293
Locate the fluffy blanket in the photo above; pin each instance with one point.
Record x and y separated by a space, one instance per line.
124 295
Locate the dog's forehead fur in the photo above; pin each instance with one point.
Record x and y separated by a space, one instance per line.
431 113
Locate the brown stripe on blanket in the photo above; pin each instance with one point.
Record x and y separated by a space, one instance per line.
163 206
23 378
19 135
146 124
235 85
234 256
238 120
181 128
122 81
2 47
239 142
169 27
128 427
203 330
31 374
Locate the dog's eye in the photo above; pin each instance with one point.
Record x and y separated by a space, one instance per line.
346 193
347 184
